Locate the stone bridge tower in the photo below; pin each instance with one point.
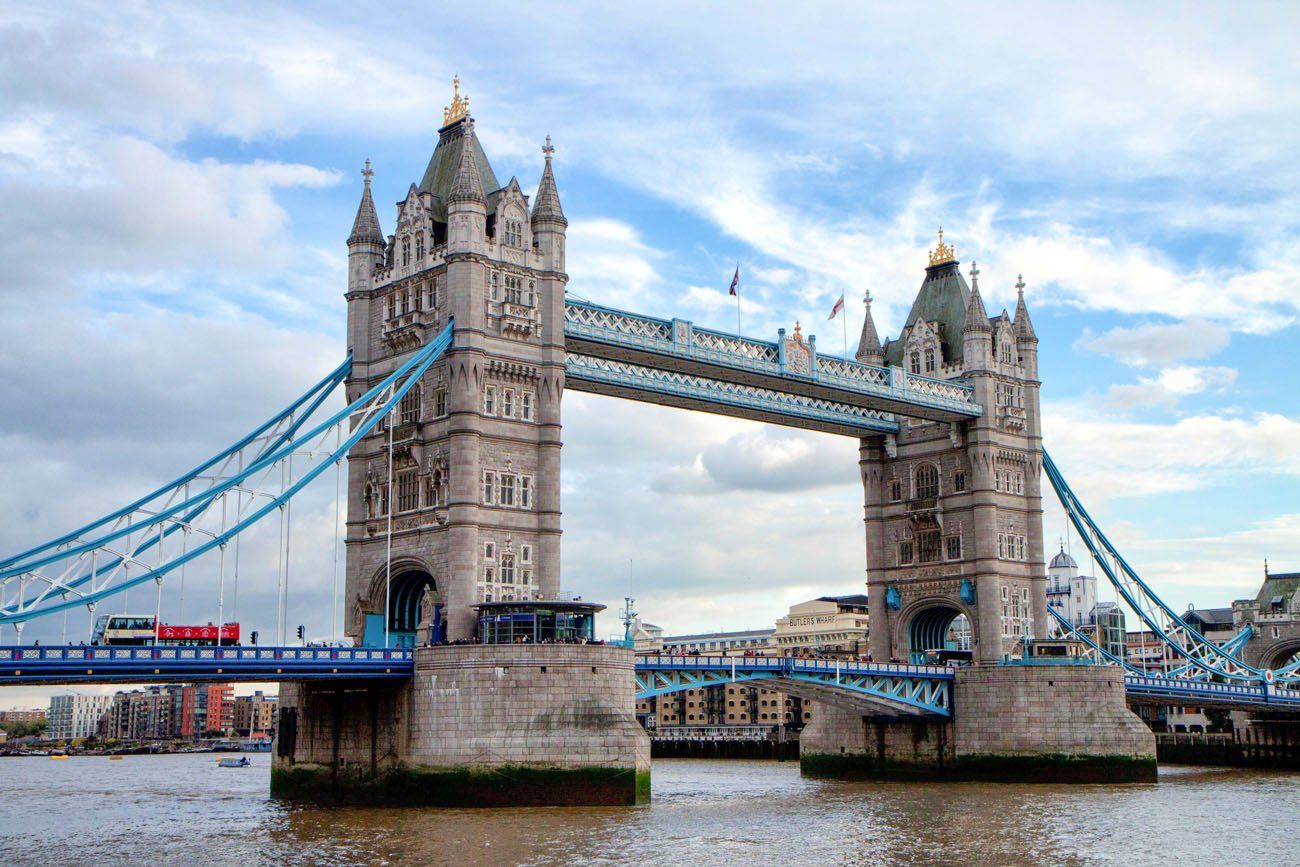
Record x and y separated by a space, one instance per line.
953 512
471 482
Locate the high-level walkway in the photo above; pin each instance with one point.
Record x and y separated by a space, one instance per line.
787 382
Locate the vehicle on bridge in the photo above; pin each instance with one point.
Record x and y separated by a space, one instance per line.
948 656
128 630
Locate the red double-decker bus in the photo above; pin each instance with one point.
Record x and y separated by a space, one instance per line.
141 629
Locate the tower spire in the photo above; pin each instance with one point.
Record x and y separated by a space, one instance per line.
869 349
468 184
1024 328
366 226
977 318
547 206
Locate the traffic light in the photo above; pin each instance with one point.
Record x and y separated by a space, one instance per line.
253 637
301 631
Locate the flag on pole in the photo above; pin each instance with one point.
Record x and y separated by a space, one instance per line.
835 311
735 283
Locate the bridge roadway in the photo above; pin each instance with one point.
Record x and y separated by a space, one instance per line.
872 687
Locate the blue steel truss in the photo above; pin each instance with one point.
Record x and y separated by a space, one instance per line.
1199 652
647 343
910 689
108 556
1187 672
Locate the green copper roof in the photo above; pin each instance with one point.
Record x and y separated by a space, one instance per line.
942 298
440 174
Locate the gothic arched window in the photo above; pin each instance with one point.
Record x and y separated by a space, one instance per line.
916 362
508 569
929 360
419 246
927 482
406 251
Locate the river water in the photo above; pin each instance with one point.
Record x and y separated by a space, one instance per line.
161 810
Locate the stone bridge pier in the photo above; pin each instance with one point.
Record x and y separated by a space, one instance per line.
477 726
1032 723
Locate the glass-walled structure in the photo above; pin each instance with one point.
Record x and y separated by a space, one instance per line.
537 621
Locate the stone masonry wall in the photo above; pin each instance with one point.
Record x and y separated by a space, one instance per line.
1061 723
1039 710
477 725
359 727
567 706
840 742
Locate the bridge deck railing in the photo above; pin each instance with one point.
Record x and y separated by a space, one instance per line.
150 653
1207 690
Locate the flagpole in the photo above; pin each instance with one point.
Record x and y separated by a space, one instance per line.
845 324
737 281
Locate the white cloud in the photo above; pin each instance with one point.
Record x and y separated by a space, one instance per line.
119 205
609 263
1110 458
1157 344
1171 385
766 459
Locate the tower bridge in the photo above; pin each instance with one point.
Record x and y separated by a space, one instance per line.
460 344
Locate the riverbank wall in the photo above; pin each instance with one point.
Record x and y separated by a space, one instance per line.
1256 744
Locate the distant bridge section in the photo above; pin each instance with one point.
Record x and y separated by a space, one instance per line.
674 363
872 688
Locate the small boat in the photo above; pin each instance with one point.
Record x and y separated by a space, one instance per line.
241 762
115 758
59 756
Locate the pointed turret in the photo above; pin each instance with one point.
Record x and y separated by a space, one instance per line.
366 247
549 224
365 228
547 206
976 332
869 348
977 318
1024 328
468 183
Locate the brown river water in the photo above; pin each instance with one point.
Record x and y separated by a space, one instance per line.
161 810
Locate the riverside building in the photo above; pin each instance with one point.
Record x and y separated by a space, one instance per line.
72 716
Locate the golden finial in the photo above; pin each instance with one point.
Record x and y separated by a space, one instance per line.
459 104
798 332
943 253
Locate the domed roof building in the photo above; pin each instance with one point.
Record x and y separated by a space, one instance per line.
1062 561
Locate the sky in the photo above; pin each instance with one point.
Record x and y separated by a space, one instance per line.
179 182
